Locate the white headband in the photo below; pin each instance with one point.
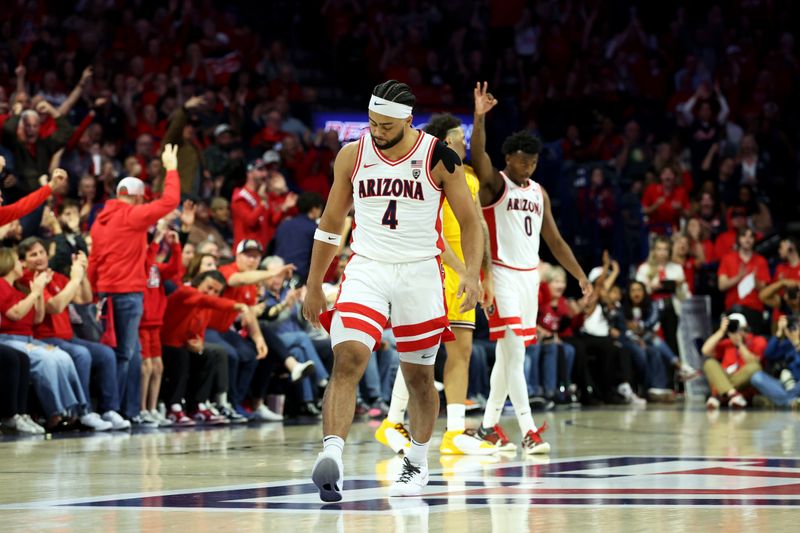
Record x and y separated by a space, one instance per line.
390 109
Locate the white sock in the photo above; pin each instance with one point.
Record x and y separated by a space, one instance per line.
456 413
333 444
222 399
498 389
399 403
418 453
514 351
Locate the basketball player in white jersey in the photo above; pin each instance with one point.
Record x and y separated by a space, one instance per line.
517 211
457 440
396 178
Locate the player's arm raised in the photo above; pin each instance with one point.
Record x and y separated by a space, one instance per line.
449 172
329 232
490 179
560 248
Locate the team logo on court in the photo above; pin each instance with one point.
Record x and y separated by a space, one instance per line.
592 482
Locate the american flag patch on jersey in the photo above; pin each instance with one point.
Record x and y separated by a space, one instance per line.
416 163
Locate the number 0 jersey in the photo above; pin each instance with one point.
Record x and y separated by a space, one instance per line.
515 222
397 204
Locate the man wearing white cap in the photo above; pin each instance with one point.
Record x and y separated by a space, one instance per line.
733 355
117 267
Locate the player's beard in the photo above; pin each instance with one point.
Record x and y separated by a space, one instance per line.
391 142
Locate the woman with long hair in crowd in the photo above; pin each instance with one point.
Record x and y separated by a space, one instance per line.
52 371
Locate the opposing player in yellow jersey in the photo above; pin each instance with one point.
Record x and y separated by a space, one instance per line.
456 440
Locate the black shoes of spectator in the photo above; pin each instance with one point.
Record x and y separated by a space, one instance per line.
540 403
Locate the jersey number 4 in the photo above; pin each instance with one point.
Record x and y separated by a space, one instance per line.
390 216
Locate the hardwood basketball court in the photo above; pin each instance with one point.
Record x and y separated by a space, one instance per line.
655 469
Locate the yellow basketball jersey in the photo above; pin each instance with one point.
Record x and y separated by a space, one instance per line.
451 231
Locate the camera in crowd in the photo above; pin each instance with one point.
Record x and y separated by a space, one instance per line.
792 323
736 322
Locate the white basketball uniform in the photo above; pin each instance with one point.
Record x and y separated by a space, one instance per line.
395 272
515 224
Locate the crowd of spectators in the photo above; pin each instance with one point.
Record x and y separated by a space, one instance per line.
669 154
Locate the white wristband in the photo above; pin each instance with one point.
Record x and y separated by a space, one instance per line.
328 238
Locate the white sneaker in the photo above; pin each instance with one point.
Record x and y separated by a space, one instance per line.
163 421
328 476
35 428
625 390
144 420
411 481
117 422
264 414
787 379
93 421
17 423
302 370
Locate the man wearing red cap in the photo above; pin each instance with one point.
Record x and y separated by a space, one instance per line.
117 267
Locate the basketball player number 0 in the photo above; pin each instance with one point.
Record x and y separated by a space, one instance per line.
390 216
528 226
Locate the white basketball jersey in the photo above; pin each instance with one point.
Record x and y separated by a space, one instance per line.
397 204
515 223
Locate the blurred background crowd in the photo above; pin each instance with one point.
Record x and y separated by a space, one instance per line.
670 153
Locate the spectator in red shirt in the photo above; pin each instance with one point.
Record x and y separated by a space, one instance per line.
117 267
91 359
52 372
249 207
726 241
555 319
32 201
733 355
665 203
701 249
154 305
187 358
741 275
789 268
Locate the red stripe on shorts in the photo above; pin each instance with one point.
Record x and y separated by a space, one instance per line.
410 330
362 325
359 309
421 344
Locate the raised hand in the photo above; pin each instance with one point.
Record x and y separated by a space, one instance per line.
86 75
195 102
484 101
58 178
169 157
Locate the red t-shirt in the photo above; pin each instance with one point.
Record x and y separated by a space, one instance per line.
787 271
9 297
729 266
188 314
55 325
728 355
250 217
247 294
665 214
550 316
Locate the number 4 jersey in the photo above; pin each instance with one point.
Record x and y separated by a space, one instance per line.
397 204
515 222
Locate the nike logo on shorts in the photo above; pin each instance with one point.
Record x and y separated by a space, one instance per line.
427 356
